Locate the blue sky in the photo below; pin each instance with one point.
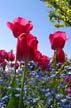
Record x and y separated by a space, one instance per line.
37 12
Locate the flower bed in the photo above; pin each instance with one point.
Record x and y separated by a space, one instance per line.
29 79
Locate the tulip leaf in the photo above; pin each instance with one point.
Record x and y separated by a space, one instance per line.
12 103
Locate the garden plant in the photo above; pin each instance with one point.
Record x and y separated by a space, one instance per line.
30 79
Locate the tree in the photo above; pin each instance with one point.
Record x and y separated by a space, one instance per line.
59 12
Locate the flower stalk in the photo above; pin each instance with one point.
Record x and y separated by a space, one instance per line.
21 101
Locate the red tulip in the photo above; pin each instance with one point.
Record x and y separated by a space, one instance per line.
59 56
3 54
1 61
57 40
37 56
26 46
68 90
4 63
20 25
67 79
13 64
44 62
10 56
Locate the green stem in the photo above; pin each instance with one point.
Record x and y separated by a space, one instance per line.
14 78
12 100
21 103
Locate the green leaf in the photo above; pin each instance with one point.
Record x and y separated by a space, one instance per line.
12 103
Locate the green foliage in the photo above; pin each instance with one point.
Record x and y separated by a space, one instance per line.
60 12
